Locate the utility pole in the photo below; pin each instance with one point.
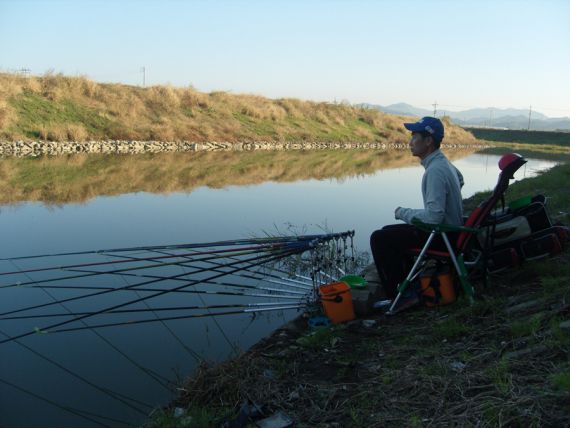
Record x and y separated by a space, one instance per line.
24 71
529 113
434 108
143 70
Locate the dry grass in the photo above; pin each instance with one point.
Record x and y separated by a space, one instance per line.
58 107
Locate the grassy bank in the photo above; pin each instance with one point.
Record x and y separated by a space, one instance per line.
59 108
501 362
555 184
522 137
538 151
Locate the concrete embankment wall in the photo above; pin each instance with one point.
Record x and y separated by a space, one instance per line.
40 148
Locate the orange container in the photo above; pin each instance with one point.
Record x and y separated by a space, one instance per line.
337 302
437 289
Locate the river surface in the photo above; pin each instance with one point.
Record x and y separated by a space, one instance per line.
49 215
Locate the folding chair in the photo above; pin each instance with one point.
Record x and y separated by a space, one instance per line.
467 251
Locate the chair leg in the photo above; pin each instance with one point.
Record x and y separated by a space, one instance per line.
460 269
404 284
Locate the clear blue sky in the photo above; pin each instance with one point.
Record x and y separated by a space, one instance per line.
461 54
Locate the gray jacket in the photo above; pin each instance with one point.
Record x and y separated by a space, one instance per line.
441 191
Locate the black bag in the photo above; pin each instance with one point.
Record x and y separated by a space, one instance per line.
526 230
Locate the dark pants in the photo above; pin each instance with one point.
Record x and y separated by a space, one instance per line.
390 248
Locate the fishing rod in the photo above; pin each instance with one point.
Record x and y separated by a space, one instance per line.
283 253
225 293
139 267
267 274
261 259
131 260
97 273
221 283
249 241
305 286
160 309
182 317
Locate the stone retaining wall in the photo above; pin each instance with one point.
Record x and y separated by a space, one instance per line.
40 148
52 148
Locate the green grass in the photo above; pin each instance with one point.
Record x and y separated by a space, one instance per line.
559 337
519 136
450 329
527 327
322 337
561 380
560 154
195 417
554 184
501 377
35 111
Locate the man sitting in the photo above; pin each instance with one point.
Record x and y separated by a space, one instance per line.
441 191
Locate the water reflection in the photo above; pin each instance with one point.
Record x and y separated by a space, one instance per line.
81 177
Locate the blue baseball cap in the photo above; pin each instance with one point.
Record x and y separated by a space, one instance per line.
431 125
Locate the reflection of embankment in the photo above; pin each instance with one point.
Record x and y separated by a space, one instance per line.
78 178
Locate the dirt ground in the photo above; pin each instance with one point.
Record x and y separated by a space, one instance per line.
503 361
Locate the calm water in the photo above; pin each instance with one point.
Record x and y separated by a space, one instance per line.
362 198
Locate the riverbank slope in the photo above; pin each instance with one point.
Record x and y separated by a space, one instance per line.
59 108
501 362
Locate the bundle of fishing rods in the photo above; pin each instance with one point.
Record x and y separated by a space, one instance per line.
95 291
139 285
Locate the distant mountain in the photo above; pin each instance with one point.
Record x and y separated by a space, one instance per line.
488 117
404 110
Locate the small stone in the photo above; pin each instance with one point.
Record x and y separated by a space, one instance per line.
186 421
382 304
277 420
369 323
179 411
525 352
565 326
458 366
532 304
269 374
